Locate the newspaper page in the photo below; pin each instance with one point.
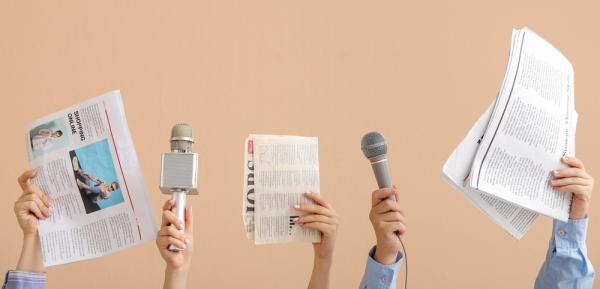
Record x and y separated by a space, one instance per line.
530 129
283 168
86 162
513 219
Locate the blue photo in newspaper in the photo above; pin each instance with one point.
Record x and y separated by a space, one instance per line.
96 177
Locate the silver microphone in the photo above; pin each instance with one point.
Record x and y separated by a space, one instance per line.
178 171
374 148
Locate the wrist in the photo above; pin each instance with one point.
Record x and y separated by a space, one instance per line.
176 278
324 262
31 259
385 255
577 215
177 271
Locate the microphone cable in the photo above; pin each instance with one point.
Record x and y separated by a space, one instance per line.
406 261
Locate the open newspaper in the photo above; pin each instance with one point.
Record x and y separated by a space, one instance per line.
277 171
86 163
503 165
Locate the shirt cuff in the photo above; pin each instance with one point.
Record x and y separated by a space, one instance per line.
570 234
24 280
379 275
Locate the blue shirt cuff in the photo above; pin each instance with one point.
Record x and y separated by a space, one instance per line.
380 276
570 234
24 280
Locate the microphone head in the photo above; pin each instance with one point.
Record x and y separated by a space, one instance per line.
182 138
373 146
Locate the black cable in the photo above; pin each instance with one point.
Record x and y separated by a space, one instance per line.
405 258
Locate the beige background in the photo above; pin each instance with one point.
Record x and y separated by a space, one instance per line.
421 72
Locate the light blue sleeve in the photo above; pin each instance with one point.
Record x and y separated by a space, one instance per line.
380 276
24 280
567 264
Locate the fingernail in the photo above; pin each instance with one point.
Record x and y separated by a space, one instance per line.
180 227
565 158
297 206
187 241
555 173
184 246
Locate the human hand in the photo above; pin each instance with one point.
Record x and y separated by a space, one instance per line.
322 217
169 234
576 180
32 206
388 223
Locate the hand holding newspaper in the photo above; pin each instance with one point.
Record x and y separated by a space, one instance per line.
86 163
503 165
277 171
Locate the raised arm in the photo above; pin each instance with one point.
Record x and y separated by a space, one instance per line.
32 206
322 217
178 263
567 264
383 261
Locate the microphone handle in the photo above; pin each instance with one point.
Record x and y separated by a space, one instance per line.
382 175
179 211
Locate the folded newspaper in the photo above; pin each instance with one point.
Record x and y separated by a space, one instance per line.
503 165
86 163
277 171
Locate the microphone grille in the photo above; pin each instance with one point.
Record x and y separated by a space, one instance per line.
373 145
182 137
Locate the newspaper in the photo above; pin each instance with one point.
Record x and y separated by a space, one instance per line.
512 218
86 163
503 165
278 170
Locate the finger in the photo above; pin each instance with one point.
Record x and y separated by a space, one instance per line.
171 231
573 162
41 206
168 218
35 190
325 229
33 208
176 242
386 206
380 195
315 209
396 193
570 172
189 221
392 217
569 181
317 198
162 241
394 227
316 218
24 178
168 205
575 189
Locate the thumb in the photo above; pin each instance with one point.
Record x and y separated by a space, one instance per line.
189 221
396 193
25 177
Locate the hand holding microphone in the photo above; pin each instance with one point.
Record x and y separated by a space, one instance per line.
179 173
386 217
